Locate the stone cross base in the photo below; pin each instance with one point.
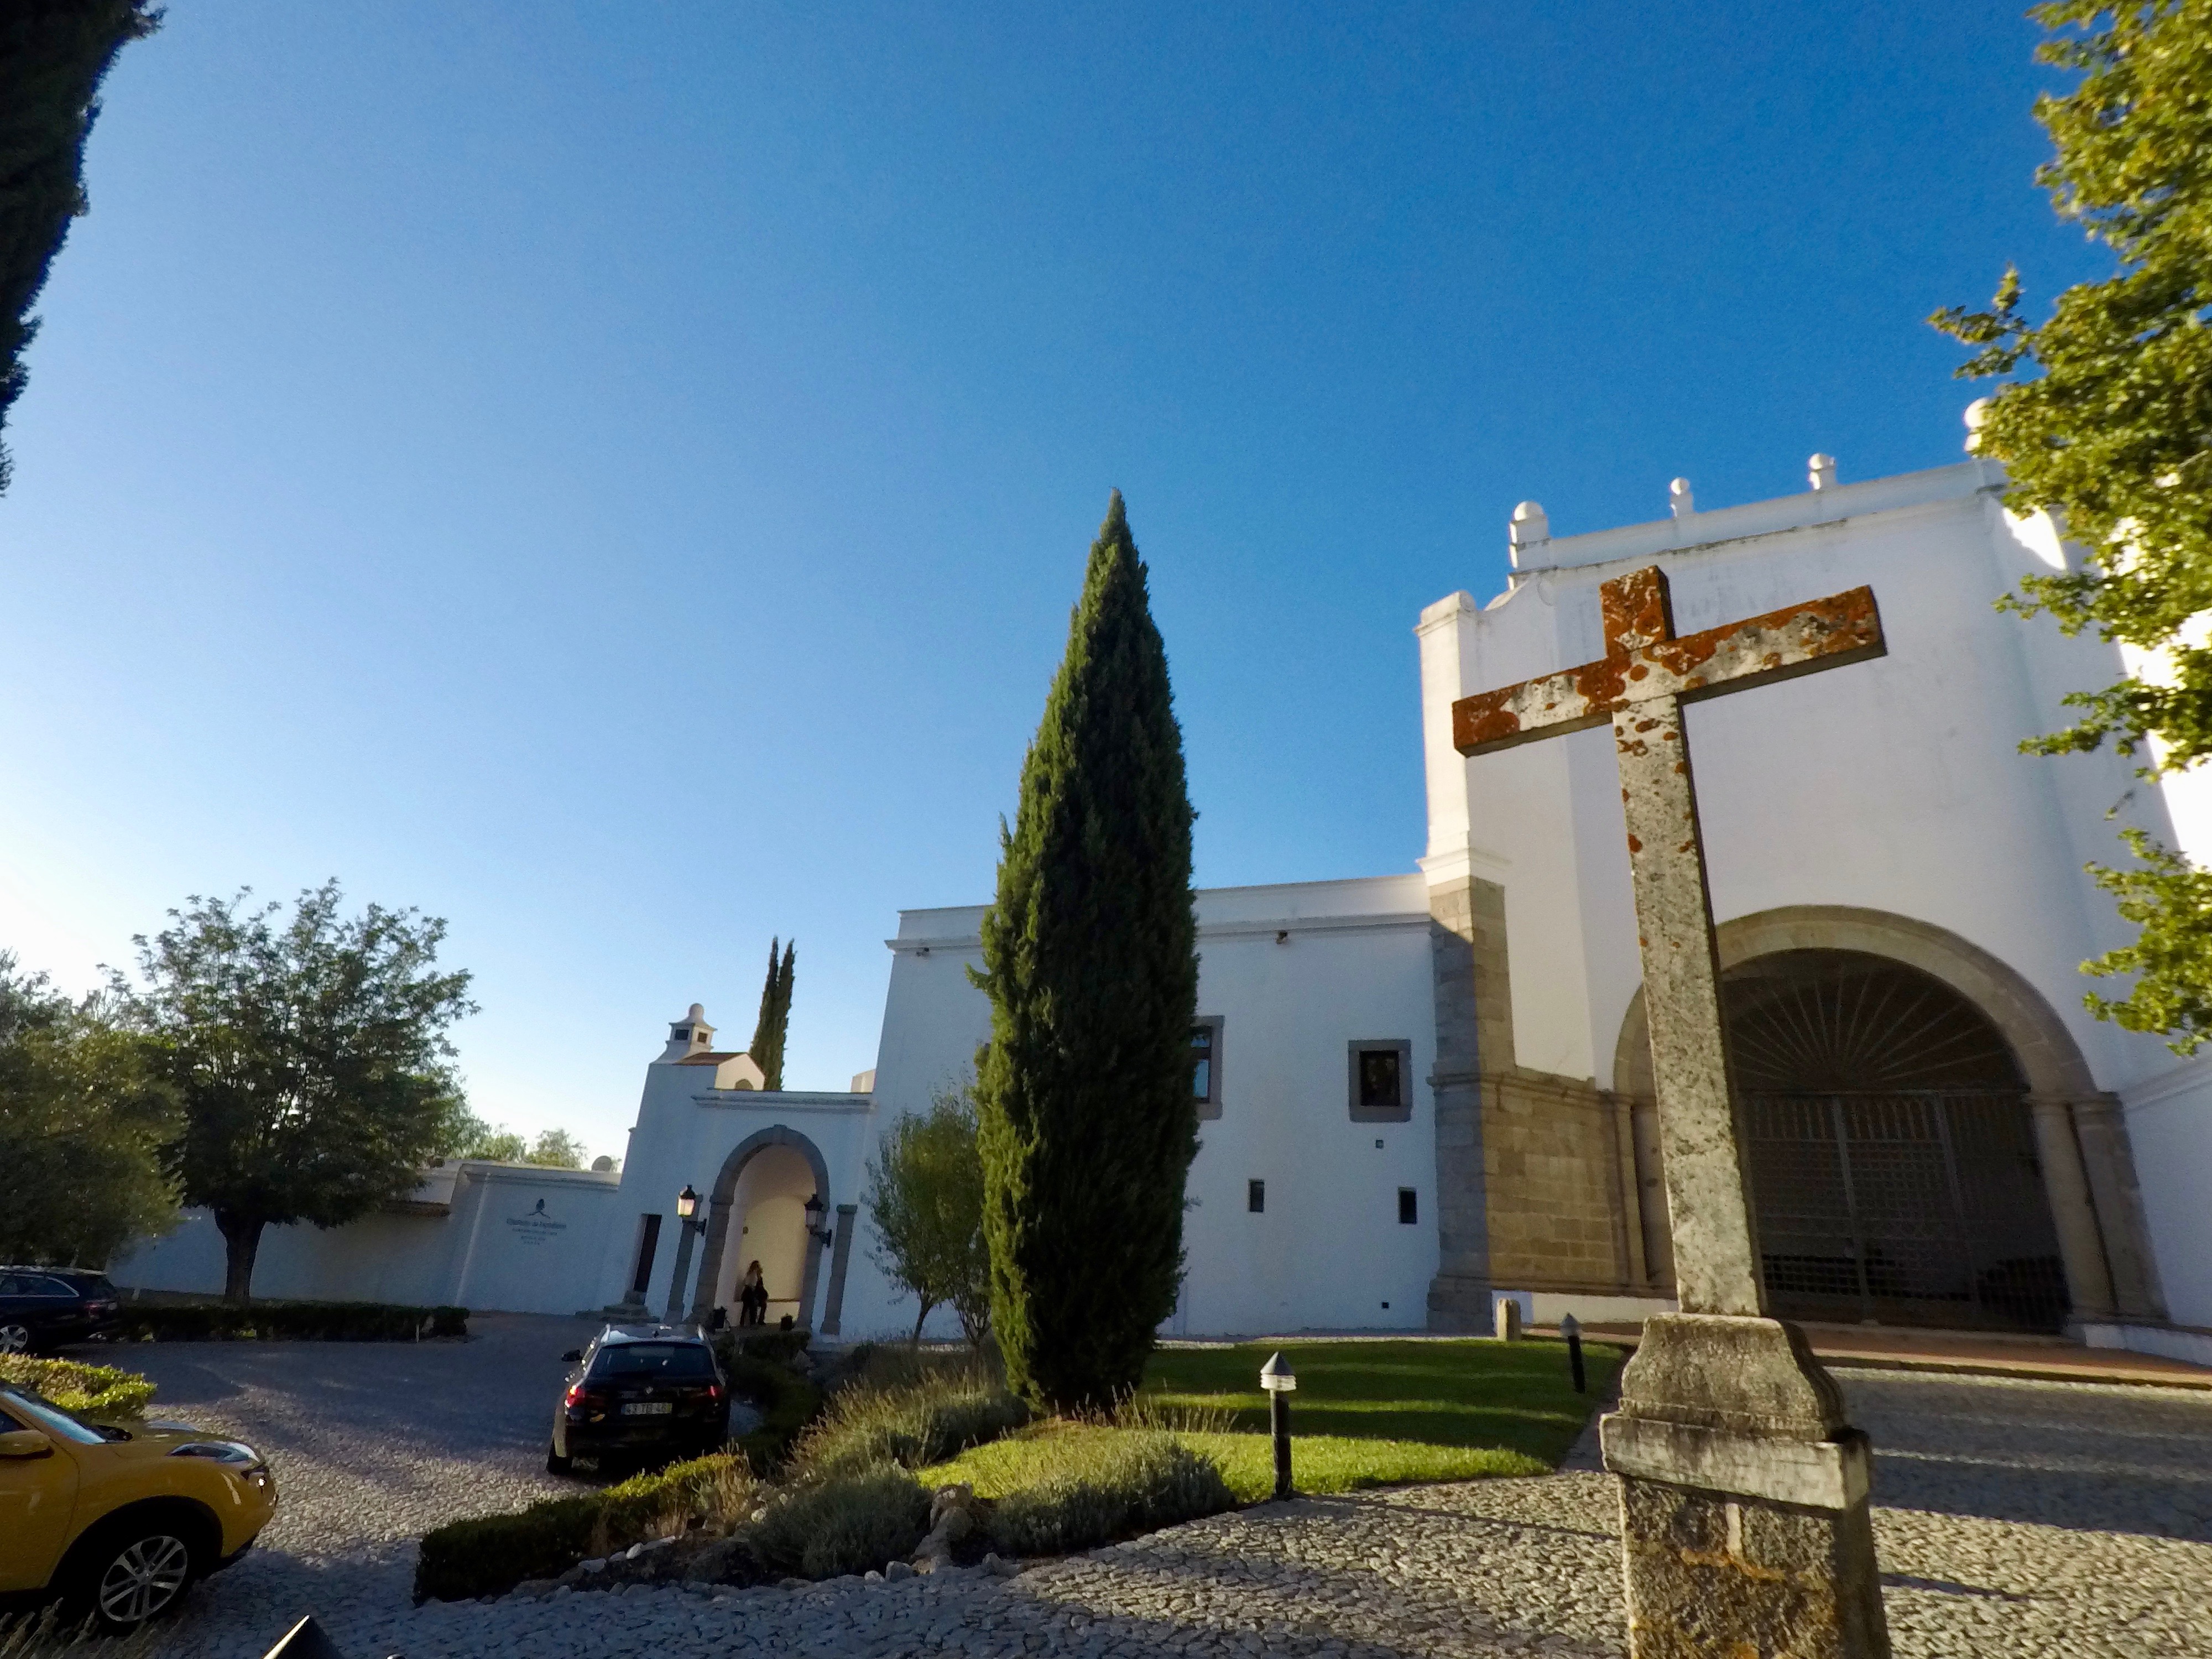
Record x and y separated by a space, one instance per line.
1743 1497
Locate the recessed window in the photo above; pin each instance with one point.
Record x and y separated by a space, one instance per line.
1255 1196
1379 1077
1206 1066
1409 1207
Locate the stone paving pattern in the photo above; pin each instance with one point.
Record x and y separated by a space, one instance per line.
2014 1518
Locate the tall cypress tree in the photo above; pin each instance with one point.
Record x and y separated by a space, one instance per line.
52 56
774 1024
1087 1127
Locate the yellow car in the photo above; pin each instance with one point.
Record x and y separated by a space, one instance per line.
119 1522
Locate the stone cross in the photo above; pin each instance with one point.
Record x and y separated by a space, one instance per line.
1745 1526
1640 685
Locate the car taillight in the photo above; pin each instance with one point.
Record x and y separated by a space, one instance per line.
713 1391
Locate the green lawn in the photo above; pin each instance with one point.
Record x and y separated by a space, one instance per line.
1319 1464
1507 1397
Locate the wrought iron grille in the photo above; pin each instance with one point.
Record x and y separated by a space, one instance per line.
1894 1163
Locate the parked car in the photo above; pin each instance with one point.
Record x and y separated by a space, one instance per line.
640 1393
119 1522
44 1307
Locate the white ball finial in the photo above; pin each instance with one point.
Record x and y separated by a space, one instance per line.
1976 412
1680 499
698 1012
1820 471
1529 527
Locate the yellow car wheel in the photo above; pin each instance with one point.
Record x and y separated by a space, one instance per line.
136 1567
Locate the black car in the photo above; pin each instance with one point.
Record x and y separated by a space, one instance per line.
640 1393
44 1306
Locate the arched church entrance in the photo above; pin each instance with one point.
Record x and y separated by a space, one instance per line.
1894 1162
758 1213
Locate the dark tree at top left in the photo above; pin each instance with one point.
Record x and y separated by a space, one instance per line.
53 55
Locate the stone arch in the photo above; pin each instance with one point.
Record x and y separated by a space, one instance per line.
2102 1238
2048 1055
721 1200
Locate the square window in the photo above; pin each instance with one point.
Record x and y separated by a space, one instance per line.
1206 1066
1380 1079
1409 1207
1255 1196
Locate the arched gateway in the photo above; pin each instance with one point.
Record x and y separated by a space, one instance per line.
757 1211
1917 1117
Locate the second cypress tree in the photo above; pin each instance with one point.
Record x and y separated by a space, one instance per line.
1086 1123
774 1024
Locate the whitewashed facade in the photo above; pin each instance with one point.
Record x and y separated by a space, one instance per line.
1878 817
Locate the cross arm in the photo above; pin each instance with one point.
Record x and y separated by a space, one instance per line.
1799 638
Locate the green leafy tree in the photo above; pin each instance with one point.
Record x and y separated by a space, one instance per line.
1086 1123
309 1055
466 1135
2108 425
925 1200
774 1025
84 1116
53 55
556 1149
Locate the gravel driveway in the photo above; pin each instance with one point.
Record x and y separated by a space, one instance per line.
2061 1521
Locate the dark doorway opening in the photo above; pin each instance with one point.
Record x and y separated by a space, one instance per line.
1893 1165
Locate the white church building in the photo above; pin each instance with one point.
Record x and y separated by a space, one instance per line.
1424 1090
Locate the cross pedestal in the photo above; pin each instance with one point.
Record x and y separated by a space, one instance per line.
1743 1492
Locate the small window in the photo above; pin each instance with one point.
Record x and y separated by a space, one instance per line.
1409 1207
1205 1067
1255 1196
1380 1079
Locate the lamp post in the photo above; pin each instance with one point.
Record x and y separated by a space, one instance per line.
1279 1381
687 1210
1571 1328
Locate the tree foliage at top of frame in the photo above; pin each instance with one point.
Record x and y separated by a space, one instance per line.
2107 424
53 55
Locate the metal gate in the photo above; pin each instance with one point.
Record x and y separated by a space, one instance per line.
1893 1164
1923 1208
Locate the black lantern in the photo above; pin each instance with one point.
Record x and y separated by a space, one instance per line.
815 1211
687 1203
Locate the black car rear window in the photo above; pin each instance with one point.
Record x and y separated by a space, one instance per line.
647 1359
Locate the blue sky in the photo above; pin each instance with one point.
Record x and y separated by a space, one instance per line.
615 476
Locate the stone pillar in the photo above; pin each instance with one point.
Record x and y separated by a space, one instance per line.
806 1285
2100 1129
2088 1281
679 1279
1743 1497
710 1265
1467 940
840 1254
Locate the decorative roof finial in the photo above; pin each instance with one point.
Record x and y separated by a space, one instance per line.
1976 412
1679 498
1529 527
1820 471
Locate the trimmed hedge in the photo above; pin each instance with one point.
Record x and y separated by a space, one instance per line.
492 1553
95 1390
1098 1489
281 1321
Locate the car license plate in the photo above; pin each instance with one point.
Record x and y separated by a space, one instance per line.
648 1408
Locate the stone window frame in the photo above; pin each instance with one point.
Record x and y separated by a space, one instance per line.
1403 1112
1209 1110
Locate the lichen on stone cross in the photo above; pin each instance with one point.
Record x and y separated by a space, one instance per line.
1647 674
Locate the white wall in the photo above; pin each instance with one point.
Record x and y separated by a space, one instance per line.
494 1249
1328 1251
1896 784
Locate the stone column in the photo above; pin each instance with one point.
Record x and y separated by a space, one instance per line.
806 1285
840 1254
2088 1281
1467 940
2100 1129
710 1266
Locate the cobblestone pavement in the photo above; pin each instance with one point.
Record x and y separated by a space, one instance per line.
2059 1520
